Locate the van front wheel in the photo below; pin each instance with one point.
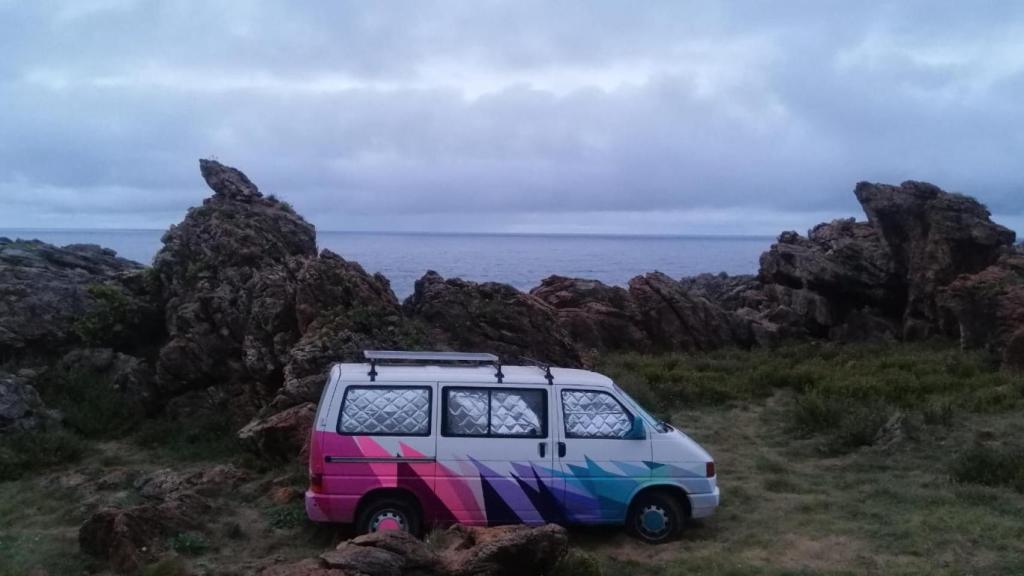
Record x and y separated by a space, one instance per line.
656 517
389 514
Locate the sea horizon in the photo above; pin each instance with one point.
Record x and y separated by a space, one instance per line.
521 259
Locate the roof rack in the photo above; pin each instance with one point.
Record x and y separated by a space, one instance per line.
398 356
543 366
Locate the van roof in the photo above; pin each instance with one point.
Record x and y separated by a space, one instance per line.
359 372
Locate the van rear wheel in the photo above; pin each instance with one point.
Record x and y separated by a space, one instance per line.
389 514
656 517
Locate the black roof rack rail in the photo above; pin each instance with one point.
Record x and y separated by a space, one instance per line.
402 356
543 366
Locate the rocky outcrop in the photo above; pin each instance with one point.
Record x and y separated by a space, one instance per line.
490 317
21 408
729 292
52 298
228 278
676 320
503 550
596 316
462 551
987 309
341 311
933 237
127 538
280 436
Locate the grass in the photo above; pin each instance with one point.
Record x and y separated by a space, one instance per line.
902 459
840 460
90 403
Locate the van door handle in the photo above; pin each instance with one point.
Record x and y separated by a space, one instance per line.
561 449
542 448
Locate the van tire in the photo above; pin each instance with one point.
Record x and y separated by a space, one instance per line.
391 512
656 517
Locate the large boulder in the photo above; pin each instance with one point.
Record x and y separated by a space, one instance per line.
676 320
280 436
458 551
729 292
53 297
987 309
503 550
490 317
341 311
228 278
596 316
933 236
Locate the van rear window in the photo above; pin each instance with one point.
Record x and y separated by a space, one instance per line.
385 411
503 413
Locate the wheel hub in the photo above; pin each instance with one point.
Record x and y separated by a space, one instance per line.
387 520
654 521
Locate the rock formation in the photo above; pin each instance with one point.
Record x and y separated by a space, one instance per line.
490 317
987 309
933 237
228 279
54 297
461 551
21 408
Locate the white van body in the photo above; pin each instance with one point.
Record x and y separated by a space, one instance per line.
437 441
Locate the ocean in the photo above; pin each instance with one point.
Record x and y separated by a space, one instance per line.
521 260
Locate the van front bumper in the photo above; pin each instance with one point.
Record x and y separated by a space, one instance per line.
703 505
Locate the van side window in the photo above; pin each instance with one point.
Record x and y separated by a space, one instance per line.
498 413
592 414
385 411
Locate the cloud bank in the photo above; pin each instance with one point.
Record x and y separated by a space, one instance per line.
654 117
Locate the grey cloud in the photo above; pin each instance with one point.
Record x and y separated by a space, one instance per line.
353 110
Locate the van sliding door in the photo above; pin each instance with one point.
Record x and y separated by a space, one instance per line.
494 454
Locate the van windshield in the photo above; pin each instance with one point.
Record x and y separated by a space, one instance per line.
638 409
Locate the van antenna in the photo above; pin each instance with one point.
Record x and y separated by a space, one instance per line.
543 366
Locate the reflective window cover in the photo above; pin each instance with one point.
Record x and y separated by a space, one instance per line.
386 410
594 415
517 413
467 412
511 412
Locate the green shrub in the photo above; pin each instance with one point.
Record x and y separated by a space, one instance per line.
190 543
113 319
23 452
90 402
576 562
990 466
286 517
172 566
201 437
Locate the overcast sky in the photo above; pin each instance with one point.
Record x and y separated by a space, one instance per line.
633 117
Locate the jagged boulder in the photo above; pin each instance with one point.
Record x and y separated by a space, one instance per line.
933 236
596 316
676 320
490 317
50 296
460 551
503 550
280 436
987 309
228 278
341 311
729 292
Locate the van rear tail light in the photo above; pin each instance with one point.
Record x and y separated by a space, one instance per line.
711 469
316 481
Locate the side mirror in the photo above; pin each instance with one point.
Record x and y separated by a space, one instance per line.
638 431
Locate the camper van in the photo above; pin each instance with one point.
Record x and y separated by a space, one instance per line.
412 440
